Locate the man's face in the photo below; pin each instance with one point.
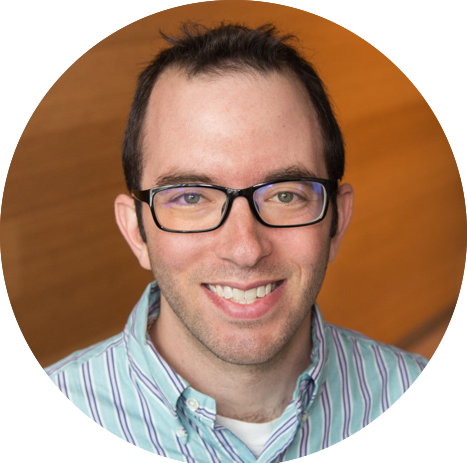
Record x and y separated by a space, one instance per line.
235 131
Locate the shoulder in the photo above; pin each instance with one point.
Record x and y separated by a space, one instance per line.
92 354
374 357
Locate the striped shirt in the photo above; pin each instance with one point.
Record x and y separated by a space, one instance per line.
124 385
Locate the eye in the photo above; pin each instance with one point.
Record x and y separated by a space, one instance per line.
192 198
285 197
182 198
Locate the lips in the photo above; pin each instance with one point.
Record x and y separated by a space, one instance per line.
252 301
243 296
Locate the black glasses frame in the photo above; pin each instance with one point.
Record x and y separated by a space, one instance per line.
147 196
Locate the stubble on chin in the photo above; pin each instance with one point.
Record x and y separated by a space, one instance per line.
247 348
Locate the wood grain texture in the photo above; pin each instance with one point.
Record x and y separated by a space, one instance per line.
73 281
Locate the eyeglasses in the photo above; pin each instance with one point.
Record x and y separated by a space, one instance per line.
196 208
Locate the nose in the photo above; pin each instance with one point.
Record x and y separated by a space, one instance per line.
242 239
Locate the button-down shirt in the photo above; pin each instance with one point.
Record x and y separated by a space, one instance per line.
127 387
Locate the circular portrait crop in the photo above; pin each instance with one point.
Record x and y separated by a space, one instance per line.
233 231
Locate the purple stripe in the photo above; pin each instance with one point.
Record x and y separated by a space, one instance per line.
403 371
174 378
152 386
327 416
203 411
420 364
279 433
86 373
184 450
79 355
150 426
384 378
363 386
213 457
345 384
117 398
226 444
304 439
282 429
62 383
320 336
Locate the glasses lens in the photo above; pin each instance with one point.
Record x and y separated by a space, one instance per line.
189 208
291 203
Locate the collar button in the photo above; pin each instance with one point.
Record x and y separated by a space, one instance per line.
192 404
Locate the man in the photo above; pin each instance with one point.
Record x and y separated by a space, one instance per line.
233 156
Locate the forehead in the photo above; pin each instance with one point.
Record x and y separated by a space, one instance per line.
232 128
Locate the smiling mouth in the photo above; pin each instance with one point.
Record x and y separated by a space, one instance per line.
243 297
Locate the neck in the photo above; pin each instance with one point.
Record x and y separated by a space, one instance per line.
252 393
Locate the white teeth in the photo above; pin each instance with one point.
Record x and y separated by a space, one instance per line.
243 297
250 295
238 294
228 292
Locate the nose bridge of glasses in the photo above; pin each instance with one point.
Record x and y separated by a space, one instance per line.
246 193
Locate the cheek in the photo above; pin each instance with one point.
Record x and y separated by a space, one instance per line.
305 247
310 253
175 252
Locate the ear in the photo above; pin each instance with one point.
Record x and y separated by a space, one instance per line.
344 210
127 221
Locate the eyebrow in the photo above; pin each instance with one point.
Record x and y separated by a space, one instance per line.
177 177
296 171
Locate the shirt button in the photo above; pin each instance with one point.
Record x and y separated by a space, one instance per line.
192 404
181 433
303 417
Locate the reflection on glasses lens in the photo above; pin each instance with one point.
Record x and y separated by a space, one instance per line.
201 208
290 203
189 208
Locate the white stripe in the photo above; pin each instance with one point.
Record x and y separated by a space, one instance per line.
119 409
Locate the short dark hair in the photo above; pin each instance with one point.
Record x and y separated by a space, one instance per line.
230 48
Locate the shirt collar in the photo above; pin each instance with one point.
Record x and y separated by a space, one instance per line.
310 382
148 367
160 379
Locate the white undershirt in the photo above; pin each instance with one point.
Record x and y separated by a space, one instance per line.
253 435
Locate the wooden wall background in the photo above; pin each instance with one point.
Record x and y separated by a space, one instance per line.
73 281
